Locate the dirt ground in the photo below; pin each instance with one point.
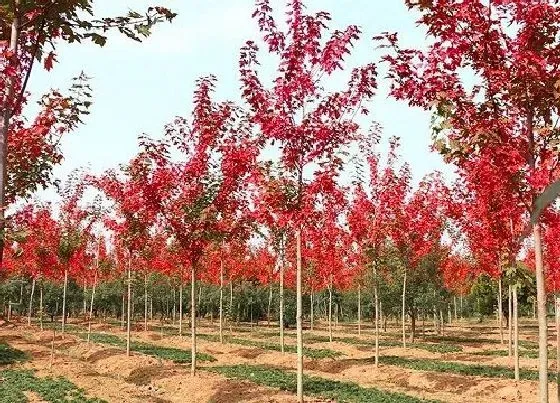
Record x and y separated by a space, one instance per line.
106 372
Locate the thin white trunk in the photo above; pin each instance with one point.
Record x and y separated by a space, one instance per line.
299 322
281 297
181 308
64 300
31 302
557 306
41 305
515 333
269 303
500 310
311 297
230 316
173 308
442 323
91 309
221 301
193 320
510 324
129 286
455 307
404 312
377 312
541 311
330 308
359 311
145 302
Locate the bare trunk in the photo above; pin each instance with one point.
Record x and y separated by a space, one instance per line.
455 307
299 322
269 303
359 311
122 311
64 300
461 305
52 348
442 323
377 309
541 310
128 311
91 310
281 298
557 306
31 302
181 308
515 333
311 304
41 305
84 302
173 308
330 308
404 312
500 310
510 324
193 320
145 302
221 301
230 317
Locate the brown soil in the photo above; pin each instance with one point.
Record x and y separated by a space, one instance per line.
249 353
102 354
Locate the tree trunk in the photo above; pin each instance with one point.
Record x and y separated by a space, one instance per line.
221 301
64 300
199 297
128 309
500 309
557 306
230 316
269 303
6 116
330 308
84 302
510 324
455 307
41 305
181 308
174 308
122 311
413 325
515 333
31 302
281 297
541 310
193 320
299 322
311 305
377 309
145 302
442 323
359 311
91 309
404 312
461 305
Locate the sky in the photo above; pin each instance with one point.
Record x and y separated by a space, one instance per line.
139 87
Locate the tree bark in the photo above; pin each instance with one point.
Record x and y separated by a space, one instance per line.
359 311
541 311
330 308
193 320
181 308
269 303
510 324
31 302
122 311
221 300
64 300
515 333
128 310
299 322
41 305
455 307
377 309
7 111
91 309
145 302
311 305
174 308
557 306
281 297
442 323
404 311
500 309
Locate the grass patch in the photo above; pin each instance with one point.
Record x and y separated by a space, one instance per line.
9 355
522 353
166 353
315 386
315 353
486 371
13 384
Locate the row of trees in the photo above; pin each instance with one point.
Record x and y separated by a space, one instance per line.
203 202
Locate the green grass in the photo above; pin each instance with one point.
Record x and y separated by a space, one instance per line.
315 386
487 371
13 384
522 353
314 353
166 353
432 347
9 355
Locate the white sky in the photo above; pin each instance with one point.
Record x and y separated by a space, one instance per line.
138 88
